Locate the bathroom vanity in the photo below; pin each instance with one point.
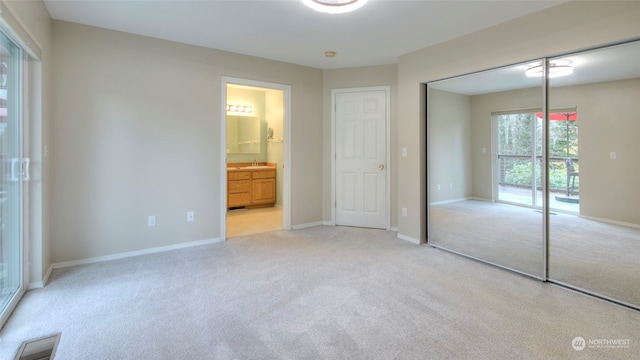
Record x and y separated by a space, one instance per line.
251 185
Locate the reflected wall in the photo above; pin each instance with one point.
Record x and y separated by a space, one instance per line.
465 215
503 172
598 250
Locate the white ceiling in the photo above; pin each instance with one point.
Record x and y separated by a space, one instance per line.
593 66
287 30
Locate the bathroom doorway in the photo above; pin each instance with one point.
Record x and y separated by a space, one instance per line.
255 152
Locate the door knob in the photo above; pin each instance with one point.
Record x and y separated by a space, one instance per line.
381 166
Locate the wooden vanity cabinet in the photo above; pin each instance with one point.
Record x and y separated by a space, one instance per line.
251 188
238 188
263 187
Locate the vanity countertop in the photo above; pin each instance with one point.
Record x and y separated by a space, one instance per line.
249 167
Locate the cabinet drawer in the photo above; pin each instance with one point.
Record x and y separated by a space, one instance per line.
238 175
239 186
264 174
240 199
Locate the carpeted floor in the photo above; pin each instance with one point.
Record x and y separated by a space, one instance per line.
600 257
316 293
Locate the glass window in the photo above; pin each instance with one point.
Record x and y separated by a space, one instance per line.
11 177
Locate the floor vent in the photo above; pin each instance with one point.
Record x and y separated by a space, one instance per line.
38 349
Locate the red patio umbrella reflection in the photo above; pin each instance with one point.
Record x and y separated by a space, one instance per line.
566 116
569 116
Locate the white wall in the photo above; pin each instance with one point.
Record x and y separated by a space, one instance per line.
110 146
33 17
608 120
449 151
568 27
136 125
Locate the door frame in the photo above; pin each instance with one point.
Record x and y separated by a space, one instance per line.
286 186
334 92
22 106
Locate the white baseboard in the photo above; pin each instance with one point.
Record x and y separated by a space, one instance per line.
393 229
409 239
609 221
481 199
307 225
41 284
129 254
449 201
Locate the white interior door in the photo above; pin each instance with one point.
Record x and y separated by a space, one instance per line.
360 164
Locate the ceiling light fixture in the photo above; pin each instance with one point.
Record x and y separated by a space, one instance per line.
330 54
557 68
334 6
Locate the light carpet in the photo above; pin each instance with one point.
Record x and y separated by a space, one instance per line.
600 257
316 293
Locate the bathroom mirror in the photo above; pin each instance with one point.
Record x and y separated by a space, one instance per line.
484 144
594 240
243 135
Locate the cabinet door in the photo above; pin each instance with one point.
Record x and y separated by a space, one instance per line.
263 191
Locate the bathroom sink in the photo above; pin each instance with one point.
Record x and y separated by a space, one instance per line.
258 167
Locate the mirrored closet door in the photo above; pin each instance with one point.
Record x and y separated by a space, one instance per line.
548 189
484 161
596 247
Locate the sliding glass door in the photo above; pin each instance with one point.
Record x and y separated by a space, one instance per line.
519 153
518 173
12 173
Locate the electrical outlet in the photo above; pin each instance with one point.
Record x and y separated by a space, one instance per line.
404 152
450 186
151 221
438 187
404 212
190 216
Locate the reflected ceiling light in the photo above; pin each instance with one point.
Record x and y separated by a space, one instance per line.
239 108
557 68
334 6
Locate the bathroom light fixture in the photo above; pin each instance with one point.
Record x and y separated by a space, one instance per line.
239 108
557 68
334 6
